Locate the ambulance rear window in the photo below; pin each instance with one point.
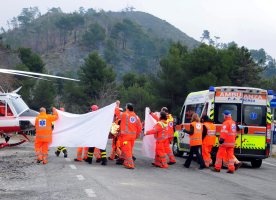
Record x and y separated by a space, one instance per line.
220 107
254 115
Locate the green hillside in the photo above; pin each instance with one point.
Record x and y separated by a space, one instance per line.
128 41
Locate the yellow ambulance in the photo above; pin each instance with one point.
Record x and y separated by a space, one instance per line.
249 106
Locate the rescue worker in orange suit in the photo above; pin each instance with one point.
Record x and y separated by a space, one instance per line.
170 135
93 150
209 139
43 126
237 163
115 128
227 143
131 128
160 131
61 148
195 133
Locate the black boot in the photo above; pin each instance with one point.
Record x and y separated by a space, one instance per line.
89 160
65 153
57 153
119 161
103 156
104 161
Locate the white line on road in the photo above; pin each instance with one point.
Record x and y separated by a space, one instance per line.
269 163
68 159
80 177
90 193
73 167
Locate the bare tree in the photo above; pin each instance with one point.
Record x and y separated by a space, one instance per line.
108 94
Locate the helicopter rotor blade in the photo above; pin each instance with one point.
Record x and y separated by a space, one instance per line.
26 75
19 72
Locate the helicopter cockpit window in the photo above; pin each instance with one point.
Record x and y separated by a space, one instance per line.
19 105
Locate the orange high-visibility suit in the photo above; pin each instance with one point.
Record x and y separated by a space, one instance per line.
169 139
81 153
115 152
131 127
227 144
115 128
170 134
43 126
237 163
208 142
98 154
160 131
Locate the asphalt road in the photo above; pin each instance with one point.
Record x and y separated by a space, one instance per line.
62 178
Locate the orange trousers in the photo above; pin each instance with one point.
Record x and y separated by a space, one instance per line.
115 150
168 151
227 152
206 154
160 154
97 153
225 161
82 153
41 151
127 148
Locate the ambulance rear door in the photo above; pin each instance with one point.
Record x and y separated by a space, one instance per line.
253 119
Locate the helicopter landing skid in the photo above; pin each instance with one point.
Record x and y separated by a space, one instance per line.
2 145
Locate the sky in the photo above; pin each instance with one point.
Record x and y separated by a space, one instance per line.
250 23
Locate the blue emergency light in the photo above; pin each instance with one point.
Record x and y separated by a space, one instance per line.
273 103
211 88
270 92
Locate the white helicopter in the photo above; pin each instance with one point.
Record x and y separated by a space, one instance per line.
15 115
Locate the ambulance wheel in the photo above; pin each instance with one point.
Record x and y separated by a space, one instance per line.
256 163
175 149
